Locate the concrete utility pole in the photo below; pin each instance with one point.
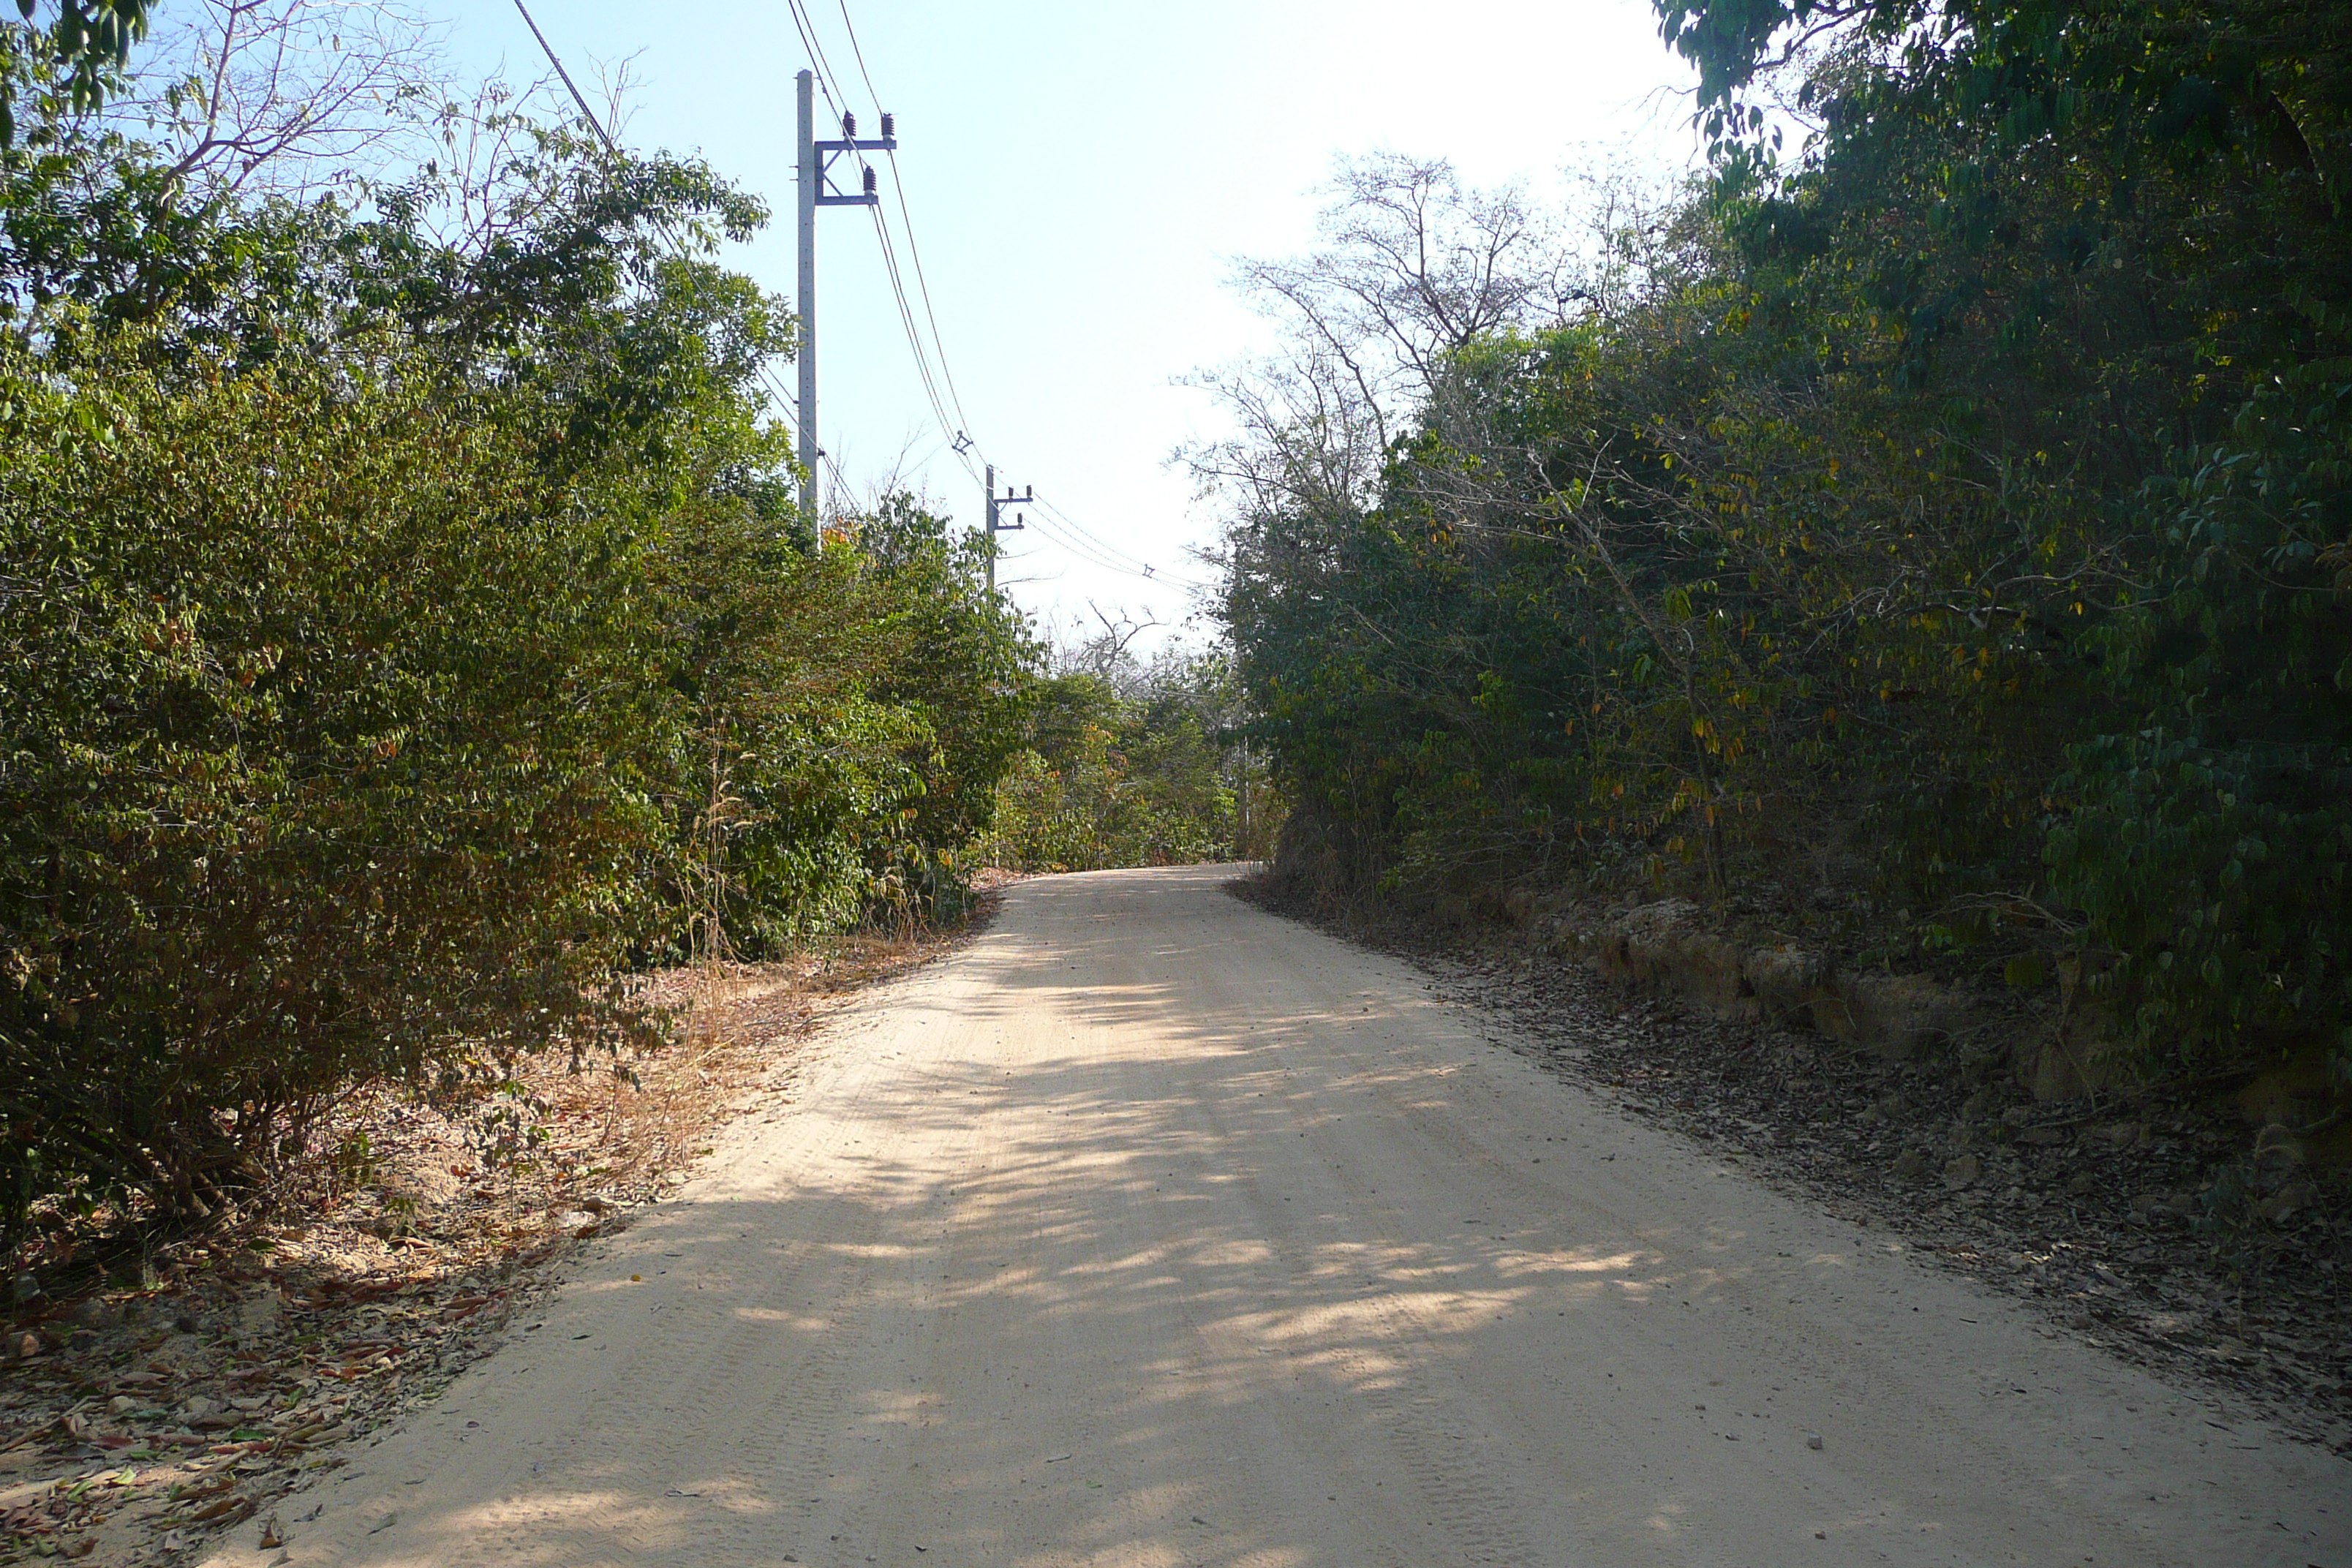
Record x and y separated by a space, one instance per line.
997 525
816 191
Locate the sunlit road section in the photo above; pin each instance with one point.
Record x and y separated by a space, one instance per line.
1151 1230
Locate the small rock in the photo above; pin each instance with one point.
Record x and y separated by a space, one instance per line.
23 1346
123 1405
1910 1164
1963 1172
196 1409
2084 1186
1813 1441
96 1312
2040 1137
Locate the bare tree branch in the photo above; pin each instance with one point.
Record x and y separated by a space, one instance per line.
285 96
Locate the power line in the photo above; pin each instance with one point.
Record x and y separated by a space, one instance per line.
821 69
1064 529
1056 525
767 372
923 284
1101 543
552 58
957 430
1070 543
907 317
805 26
851 29
907 221
1136 566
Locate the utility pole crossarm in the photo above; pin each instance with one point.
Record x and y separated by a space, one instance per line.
996 518
850 141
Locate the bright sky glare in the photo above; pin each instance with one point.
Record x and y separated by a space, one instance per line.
1081 179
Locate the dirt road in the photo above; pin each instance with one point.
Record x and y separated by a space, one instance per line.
1151 1230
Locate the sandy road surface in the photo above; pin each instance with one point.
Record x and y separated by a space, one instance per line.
1152 1230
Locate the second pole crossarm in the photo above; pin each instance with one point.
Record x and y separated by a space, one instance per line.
826 152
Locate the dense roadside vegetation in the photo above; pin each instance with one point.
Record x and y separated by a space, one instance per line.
1924 536
1132 764
407 628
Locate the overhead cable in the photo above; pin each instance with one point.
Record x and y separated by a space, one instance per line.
767 373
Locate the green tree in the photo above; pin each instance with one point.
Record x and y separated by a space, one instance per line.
83 47
409 630
1929 538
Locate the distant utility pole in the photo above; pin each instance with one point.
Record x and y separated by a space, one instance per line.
816 191
996 524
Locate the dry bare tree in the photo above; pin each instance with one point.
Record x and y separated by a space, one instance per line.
287 96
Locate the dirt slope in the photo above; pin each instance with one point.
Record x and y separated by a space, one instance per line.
1154 1230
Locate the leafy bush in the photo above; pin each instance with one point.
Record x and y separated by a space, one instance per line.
1131 766
406 630
303 788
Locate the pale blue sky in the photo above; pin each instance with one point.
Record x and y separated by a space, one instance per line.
1082 177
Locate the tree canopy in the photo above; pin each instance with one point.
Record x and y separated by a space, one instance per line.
1928 537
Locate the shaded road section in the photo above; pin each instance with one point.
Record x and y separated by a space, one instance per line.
1152 1230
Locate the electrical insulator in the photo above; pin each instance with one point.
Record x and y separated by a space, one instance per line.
869 179
1029 492
889 125
849 126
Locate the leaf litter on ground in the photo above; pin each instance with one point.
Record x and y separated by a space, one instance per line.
139 1420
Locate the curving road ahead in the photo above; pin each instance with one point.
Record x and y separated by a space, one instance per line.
1152 1230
